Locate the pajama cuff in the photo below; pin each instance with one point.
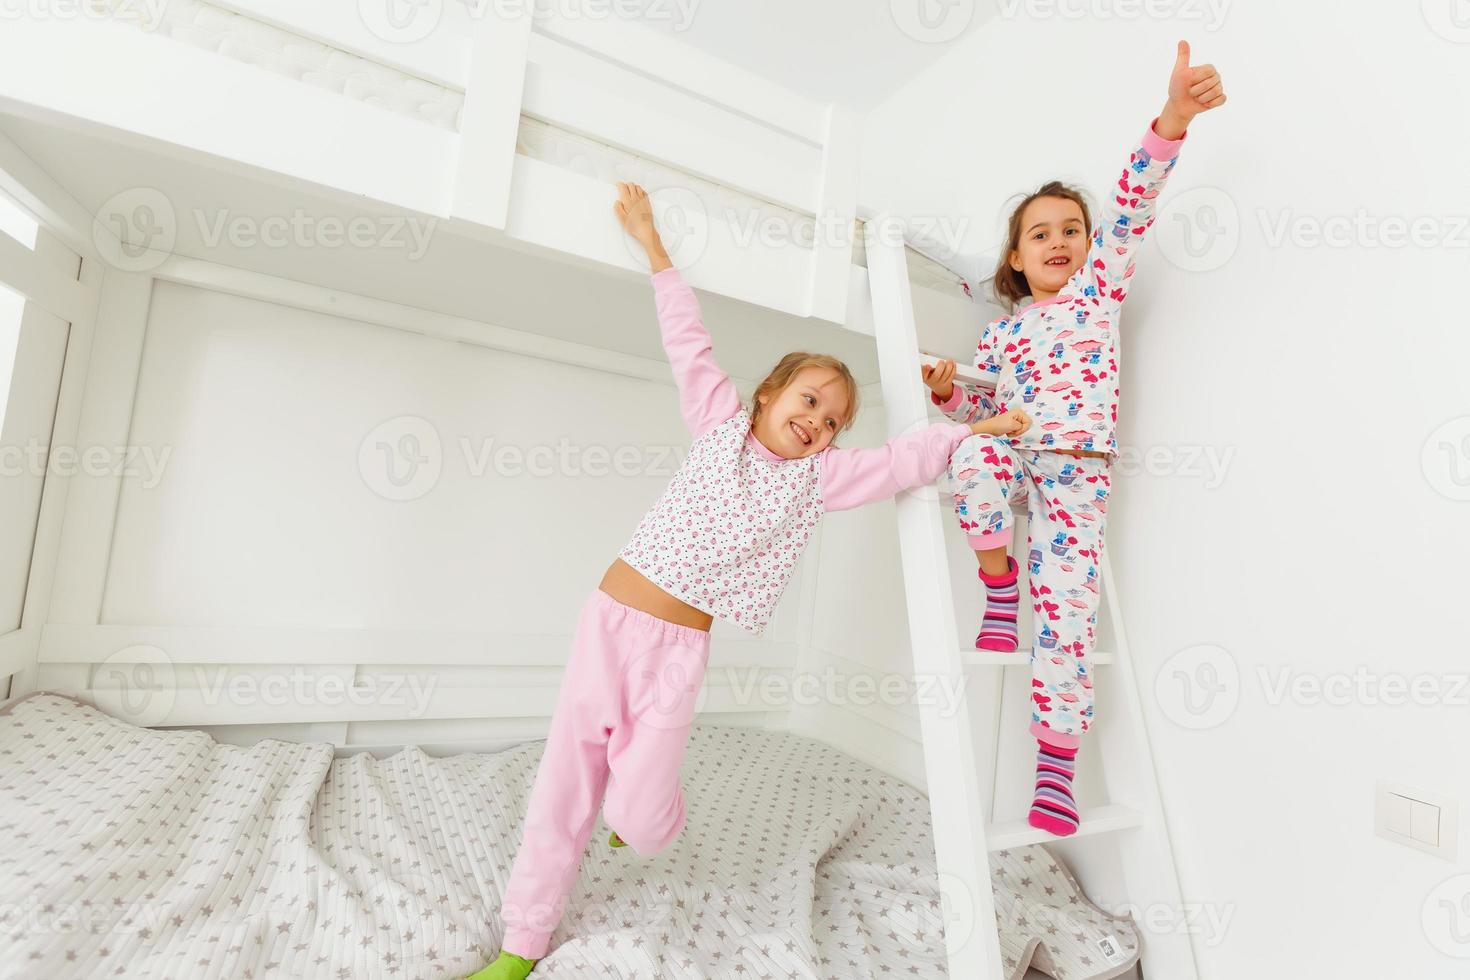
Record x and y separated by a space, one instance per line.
991 539
1158 147
953 401
1052 737
526 944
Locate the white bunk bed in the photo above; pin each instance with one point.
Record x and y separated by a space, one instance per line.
507 134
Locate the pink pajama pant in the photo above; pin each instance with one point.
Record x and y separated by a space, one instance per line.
1067 500
620 727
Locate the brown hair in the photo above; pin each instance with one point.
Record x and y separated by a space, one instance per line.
787 369
1010 285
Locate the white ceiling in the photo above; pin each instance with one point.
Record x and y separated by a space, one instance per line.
853 52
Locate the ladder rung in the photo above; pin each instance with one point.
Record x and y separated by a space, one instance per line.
962 370
1021 658
1095 820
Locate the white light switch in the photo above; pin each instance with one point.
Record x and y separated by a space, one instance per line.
1424 823
1396 812
1417 818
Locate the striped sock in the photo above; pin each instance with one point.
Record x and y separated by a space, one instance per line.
1002 598
1054 809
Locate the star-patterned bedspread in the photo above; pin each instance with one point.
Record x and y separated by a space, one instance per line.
142 853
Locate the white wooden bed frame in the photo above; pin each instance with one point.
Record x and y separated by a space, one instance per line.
725 126
653 101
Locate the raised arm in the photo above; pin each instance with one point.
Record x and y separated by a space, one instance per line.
1128 209
853 477
707 396
1126 215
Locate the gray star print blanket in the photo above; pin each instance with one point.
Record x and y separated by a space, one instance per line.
140 853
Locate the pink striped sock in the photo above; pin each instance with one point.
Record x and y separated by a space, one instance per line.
1002 599
1054 809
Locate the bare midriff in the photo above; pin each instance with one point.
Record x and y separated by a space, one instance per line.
630 587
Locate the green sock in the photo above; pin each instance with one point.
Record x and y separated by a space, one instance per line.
507 966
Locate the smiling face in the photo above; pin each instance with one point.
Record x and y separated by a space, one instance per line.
802 418
1052 244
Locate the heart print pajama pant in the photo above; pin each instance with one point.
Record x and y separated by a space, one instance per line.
1066 500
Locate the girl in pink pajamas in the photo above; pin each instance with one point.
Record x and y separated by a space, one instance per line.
1056 359
721 541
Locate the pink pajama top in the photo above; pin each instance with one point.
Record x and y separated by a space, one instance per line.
1058 359
726 534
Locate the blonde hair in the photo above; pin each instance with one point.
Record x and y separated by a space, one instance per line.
1010 285
787 369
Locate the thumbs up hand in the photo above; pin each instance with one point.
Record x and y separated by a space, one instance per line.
1192 89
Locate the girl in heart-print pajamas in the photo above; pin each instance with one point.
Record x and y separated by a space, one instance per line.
1055 359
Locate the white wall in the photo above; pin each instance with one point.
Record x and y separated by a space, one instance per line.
309 479
272 511
1333 538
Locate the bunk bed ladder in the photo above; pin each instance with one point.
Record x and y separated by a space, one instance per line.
962 794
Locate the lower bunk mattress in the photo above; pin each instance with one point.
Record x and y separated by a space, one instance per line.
134 852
